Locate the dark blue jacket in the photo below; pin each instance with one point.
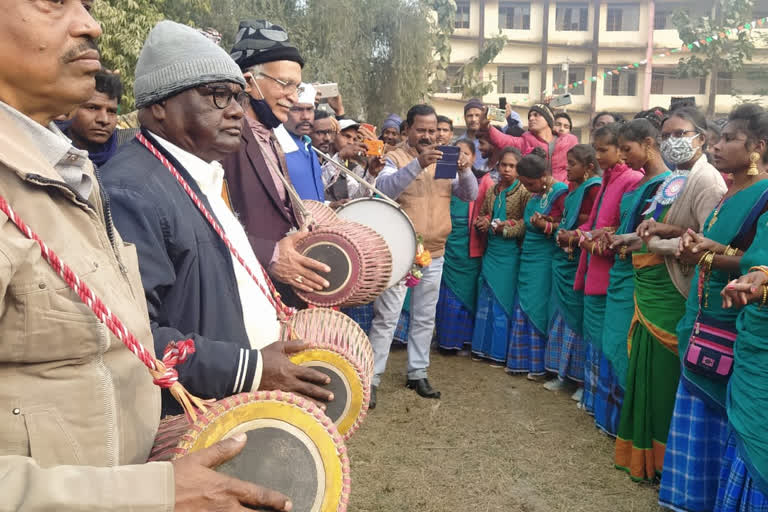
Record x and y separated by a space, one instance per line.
187 272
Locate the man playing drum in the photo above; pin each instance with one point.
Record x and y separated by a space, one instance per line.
195 284
78 412
409 177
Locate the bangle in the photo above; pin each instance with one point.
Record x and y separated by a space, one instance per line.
730 251
765 296
760 268
623 252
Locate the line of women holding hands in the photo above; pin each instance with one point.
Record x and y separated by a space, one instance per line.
645 287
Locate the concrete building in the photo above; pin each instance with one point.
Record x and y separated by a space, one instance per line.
591 37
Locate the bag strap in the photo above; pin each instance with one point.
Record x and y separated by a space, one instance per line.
163 372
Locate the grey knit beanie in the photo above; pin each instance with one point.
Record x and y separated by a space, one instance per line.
176 58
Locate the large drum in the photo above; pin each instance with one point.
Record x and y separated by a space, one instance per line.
341 350
292 446
392 223
360 262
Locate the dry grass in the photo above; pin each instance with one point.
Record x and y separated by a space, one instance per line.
493 443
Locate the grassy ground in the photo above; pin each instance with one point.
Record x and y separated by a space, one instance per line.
493 443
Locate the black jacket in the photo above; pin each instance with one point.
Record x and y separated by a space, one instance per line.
187 272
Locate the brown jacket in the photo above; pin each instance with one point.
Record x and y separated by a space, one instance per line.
73 398
517 200
254 197
427 202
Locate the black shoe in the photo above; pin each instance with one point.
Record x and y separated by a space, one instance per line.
372 401
423 388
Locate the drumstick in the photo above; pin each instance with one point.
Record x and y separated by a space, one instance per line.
357 178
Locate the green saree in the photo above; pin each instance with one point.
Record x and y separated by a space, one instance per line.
460 272
748 388
535 277
654 368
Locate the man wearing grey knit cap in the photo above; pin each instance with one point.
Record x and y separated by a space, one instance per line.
190 94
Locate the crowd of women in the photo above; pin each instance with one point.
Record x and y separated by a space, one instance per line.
641 285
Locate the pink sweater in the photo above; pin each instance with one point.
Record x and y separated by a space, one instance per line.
593 278
528 142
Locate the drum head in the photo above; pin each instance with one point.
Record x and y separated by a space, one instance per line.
339 348
333 255
346 385
343 258
392 224
289 449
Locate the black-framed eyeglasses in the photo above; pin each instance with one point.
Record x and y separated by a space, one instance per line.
288 87
679 134
222 95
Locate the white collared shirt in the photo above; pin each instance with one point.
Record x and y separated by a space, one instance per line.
259 315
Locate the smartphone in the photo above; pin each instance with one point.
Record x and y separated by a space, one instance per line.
327 90
561 101
503 103
448 166
497 114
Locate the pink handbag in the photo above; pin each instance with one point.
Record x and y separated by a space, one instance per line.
710 350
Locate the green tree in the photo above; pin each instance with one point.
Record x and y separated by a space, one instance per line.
718 54
125 25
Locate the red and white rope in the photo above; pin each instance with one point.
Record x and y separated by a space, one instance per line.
284 312
164 373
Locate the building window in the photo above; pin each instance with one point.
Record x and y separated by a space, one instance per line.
662 18
574 75
513 15
667 82
623 18
462 15
571 17
513 80
750 82
623 84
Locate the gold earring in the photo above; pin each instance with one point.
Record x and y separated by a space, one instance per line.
753 159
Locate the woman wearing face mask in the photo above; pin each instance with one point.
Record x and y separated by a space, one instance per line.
699 428
530 324
501 217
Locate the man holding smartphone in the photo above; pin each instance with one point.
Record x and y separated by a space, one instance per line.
409 177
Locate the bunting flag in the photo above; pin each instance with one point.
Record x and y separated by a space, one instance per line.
666 53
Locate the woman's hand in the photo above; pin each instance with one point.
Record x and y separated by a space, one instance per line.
482 224
693 245
650 228
748 288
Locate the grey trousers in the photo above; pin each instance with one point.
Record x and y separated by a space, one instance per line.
387 310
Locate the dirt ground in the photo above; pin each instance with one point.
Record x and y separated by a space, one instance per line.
494 442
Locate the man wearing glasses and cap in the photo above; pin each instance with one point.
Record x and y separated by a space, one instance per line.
257 176
194 283
294 138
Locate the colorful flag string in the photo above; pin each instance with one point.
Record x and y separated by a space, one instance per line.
635 65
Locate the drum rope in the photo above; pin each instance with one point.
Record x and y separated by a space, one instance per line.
163 371
284 312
